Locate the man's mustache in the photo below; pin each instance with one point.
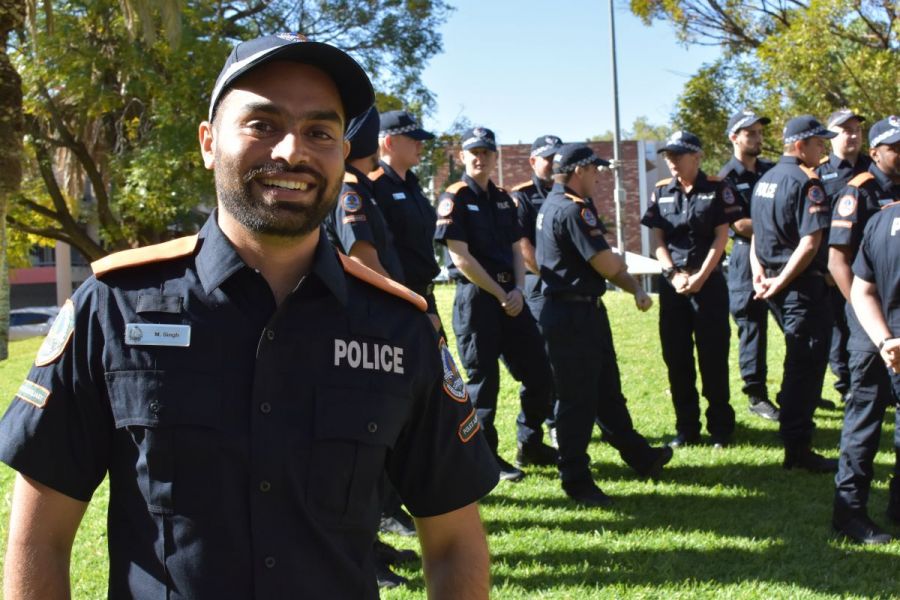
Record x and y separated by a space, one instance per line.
272 169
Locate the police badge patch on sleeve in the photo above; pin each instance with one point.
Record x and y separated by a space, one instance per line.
58 337
847 205
588 217
469 427
351 202
727 195
815 194
453 383
445 207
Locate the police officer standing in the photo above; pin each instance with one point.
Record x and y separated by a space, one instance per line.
477 222
835 170
236 389
862 199
356 224
575 261
408 212
750 315
790 212
688 217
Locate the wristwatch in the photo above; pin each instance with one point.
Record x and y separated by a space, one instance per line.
883 342
667 272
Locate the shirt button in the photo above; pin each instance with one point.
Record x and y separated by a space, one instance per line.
269 562
265 408
264 486
372 427
270 334
154 407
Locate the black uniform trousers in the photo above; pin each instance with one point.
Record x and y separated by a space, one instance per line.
535 301
752 320
872 392
484 334
700 317
803 313
586 376
838 356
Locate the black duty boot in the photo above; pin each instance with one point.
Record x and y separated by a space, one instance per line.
805 458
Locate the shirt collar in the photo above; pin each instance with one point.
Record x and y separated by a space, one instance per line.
540 186
735 165
411 179
362 179
884 182
474 185
787 159
218 260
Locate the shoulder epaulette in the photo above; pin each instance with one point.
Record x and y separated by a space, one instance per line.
134 257
383 283
713 178
665 181
895 203
861 179
575 198
456 187
376 174
500 189
350 177
810 173
520 186
824 160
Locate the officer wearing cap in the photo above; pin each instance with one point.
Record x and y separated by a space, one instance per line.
845 162
477 222
575 261
864 197
790 214
356 225
407 211
236 389
688 217
750 315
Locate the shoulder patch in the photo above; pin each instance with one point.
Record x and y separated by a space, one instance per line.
351 202
861 179
383 283
815 194
575 198
176 248
665 181
33 393
58 337
587 215
727 195
846 205
350 177
521 186
453 189
809 172
445 207
376 174
453 382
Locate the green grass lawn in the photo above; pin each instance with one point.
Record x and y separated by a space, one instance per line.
720 524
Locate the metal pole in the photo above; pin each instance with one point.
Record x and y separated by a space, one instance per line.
619 193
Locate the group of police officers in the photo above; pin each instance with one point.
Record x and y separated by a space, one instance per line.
531 266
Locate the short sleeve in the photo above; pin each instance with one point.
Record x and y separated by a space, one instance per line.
58 427
845 222
814 209
652 218
585 230
451 219
732 204
350 220
441 461
863 266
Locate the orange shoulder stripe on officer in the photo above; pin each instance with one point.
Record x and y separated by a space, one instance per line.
456 187
176 248
383 283
665 181
861 179
575 198
376 174
809 172
350 177
520 186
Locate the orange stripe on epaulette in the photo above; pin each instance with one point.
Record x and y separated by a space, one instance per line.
665 181
350 178
575 198
842 223
376 174
861 179
456 187
894 203
713 178
176 248
824 160
383 283
520 186
809 172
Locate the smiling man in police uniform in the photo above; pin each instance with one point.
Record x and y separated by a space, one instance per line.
864 197
790 212
245 388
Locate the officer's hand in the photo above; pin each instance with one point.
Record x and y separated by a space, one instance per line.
642 300
679 282
890 353
760 286
514 303
773 285
694 284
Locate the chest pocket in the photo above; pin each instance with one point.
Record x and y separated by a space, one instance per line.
161 418
700 217
353 433
671 212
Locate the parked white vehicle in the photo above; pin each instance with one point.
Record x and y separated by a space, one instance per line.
31 322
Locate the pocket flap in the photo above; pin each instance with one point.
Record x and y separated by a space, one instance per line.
365 416
163 398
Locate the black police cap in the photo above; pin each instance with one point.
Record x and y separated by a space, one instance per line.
571 156
545 146
682 142
479 137
351 80
839 117
885 131
400 122
362 133
743 120
803 127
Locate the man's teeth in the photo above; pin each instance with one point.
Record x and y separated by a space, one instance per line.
287 184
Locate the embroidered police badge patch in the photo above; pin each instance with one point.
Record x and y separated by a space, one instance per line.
815 194
847 205
58 337
445 207
453 383
588 217
33 393
727 195
351 202
469 427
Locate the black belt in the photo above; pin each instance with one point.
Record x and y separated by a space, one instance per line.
504 277
423 289
566 297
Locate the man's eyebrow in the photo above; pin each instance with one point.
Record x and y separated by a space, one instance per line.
311 115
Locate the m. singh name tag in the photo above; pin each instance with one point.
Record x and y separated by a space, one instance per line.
153 334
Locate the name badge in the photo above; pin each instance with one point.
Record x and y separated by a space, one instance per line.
828 176
743 186
153 334
473 207
399 196
666 199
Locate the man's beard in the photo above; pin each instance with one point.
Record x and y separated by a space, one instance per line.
281 219
753 151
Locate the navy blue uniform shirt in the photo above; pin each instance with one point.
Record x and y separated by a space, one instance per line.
788 203
411 219
568 236
863 197
835 173
484 219
244 462
357 218
878 262
528 198
689 220
735 173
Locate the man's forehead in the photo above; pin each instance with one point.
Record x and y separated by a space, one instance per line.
281 82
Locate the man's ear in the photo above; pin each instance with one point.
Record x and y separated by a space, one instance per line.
346 149
207 144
